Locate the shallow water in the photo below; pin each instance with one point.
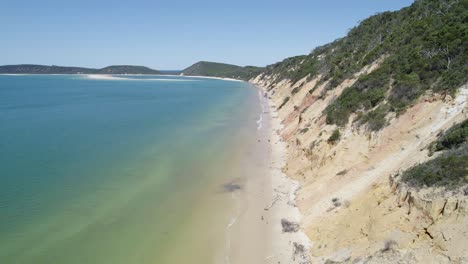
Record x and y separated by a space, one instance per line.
120 170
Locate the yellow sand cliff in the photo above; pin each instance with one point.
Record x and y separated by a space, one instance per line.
351 211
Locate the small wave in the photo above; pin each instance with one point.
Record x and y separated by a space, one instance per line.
166 80
232 222
260 119
228 228
14 74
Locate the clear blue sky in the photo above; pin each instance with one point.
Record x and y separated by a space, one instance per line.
173 34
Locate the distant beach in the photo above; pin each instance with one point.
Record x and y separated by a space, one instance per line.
210 77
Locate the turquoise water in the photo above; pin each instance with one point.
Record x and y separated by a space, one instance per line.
118 171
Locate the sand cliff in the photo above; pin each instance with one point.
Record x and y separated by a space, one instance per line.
353 209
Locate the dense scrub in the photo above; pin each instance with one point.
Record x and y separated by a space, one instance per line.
364 95
425 46
375 120
452 138
450 170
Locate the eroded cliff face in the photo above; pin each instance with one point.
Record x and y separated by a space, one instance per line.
351 210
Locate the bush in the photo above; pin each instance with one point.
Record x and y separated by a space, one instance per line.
453 138
450 170
335 136
405 90
363 96
375 120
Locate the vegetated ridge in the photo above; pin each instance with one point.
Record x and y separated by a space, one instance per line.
44 69
215 69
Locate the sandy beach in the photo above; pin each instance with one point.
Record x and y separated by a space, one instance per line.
210 77
267 199
127 77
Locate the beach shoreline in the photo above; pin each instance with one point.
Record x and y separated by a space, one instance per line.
113 77
125 77
210 77
267 201
287 247
110 76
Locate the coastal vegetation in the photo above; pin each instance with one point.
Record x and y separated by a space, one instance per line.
335 136
375 119
453 138
43 69
422 47
449 169
127 69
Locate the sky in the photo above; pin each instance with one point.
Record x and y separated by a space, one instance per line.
171 34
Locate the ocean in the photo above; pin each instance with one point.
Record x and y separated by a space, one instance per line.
127 169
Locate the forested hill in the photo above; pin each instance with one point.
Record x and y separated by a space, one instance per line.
43 69
422 47
214 69
127 69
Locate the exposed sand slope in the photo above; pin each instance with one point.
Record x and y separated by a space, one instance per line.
349 210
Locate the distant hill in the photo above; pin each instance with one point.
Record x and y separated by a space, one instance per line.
215 69
43 69
127 69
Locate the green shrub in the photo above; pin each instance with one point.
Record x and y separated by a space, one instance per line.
452 138
375 119
365 94
335 136
450 170
405 90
